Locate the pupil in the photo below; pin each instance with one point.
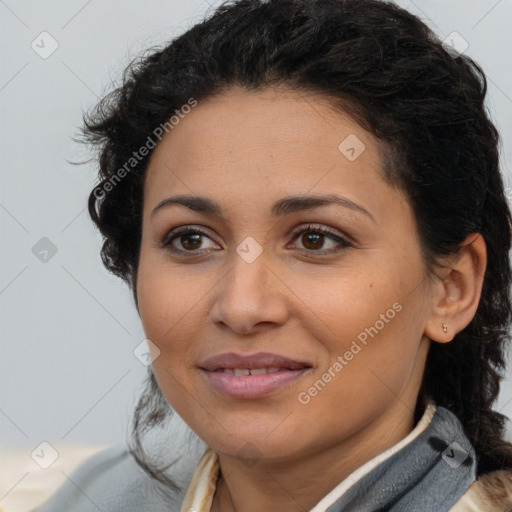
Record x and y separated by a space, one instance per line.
188 238
315 239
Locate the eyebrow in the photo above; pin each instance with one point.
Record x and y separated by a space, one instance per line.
282 207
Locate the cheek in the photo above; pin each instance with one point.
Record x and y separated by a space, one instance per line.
167 310
374 323
167 315
347 307
365 373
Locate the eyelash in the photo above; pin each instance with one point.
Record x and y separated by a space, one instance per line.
311 228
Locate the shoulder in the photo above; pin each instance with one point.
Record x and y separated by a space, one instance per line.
491 492
112 481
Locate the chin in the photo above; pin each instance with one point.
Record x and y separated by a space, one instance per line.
257 440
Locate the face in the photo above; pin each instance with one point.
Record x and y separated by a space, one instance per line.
283 326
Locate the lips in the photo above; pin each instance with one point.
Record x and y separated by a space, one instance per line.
230 360
251 376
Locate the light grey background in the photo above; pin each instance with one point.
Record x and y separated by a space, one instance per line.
67 370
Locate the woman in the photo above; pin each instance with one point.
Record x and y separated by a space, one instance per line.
305 198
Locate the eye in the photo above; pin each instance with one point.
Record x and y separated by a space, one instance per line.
313 238
188 238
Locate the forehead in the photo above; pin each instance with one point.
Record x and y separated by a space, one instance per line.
266 144
275 120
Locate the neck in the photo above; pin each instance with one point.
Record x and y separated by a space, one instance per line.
298 484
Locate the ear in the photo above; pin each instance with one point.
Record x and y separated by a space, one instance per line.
457 289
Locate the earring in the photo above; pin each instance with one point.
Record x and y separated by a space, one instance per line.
445 328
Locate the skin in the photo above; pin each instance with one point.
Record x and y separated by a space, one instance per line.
245 151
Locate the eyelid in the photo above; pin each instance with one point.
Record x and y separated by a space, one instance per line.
311 227
302 229
187 229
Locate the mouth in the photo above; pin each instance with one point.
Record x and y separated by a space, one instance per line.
248 371
251 376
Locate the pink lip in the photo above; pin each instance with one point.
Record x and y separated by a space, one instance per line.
251 386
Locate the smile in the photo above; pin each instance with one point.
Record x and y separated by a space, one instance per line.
248 371
251 376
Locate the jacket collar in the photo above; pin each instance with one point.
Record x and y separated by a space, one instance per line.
430 469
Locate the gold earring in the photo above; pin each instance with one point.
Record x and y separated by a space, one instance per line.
445 328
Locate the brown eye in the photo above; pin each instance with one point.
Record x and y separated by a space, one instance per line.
313 239
192 241
189 239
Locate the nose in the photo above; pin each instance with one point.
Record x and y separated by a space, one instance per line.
249 297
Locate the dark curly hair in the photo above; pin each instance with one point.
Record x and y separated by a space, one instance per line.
423 101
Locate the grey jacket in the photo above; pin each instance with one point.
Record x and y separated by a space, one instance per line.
432 473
